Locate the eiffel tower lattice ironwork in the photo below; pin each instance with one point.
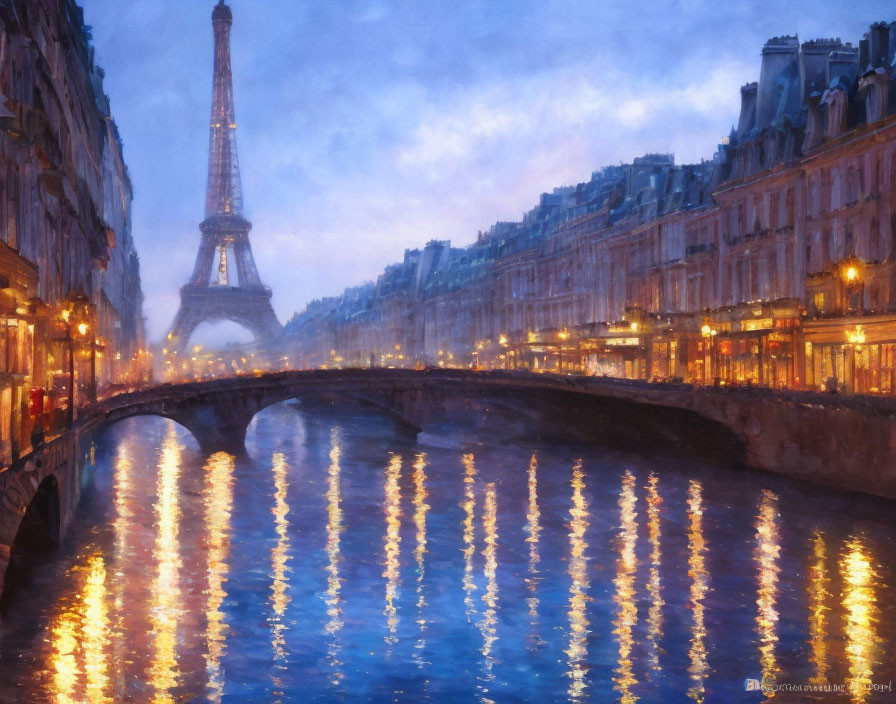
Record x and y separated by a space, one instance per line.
212 294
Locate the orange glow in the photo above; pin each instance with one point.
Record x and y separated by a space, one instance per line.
469 533
218 501
577 648
626 606
489 621
818 594
65 665
392 561
654 587
164 673
533 528
699 667
860 617
768 549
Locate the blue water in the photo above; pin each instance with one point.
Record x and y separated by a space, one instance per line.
340 560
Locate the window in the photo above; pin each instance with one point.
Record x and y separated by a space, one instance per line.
818 301
874 241
852 190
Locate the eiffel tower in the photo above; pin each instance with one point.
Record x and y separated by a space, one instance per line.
232 290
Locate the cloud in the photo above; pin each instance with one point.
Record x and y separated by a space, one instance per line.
369 126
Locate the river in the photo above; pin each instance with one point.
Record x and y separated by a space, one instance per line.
341 560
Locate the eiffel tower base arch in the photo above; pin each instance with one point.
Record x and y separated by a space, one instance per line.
248 307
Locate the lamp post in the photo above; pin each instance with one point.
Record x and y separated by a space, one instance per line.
564 336
709 333
852 272
76 315
66 318
83 329
855 338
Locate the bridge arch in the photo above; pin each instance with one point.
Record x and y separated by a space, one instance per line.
185 328
335 394
219 413
214 333
40 526
147 412
36 527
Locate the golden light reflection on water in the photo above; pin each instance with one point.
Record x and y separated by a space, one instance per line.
121 501
392 558
79 640
279 598
469 506
654 586
121 525
626 608
334 556
818 595
768 549
66 672
218 503
859 616
94 632
533 528
489 620
164 611
698 667
134 619
577 647
420 510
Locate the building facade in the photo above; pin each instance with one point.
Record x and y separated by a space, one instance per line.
772 263
71 320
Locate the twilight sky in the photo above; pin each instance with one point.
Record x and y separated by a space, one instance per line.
369 126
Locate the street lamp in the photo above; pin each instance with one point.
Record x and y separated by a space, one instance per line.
709 334
504 342
83 329
66 318
852 273
856 338
564 336
75 316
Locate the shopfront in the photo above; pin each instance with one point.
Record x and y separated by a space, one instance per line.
853 355
23 329
664 356
753 345
622 357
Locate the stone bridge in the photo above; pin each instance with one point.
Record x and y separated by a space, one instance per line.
848 442
845 442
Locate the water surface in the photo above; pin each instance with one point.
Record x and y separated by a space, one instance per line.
341 561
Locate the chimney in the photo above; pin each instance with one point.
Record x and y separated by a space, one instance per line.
843 62
747 119
864 53
880 44
814 65
778 92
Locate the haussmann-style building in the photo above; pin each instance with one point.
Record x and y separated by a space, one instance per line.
71 320
773 263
